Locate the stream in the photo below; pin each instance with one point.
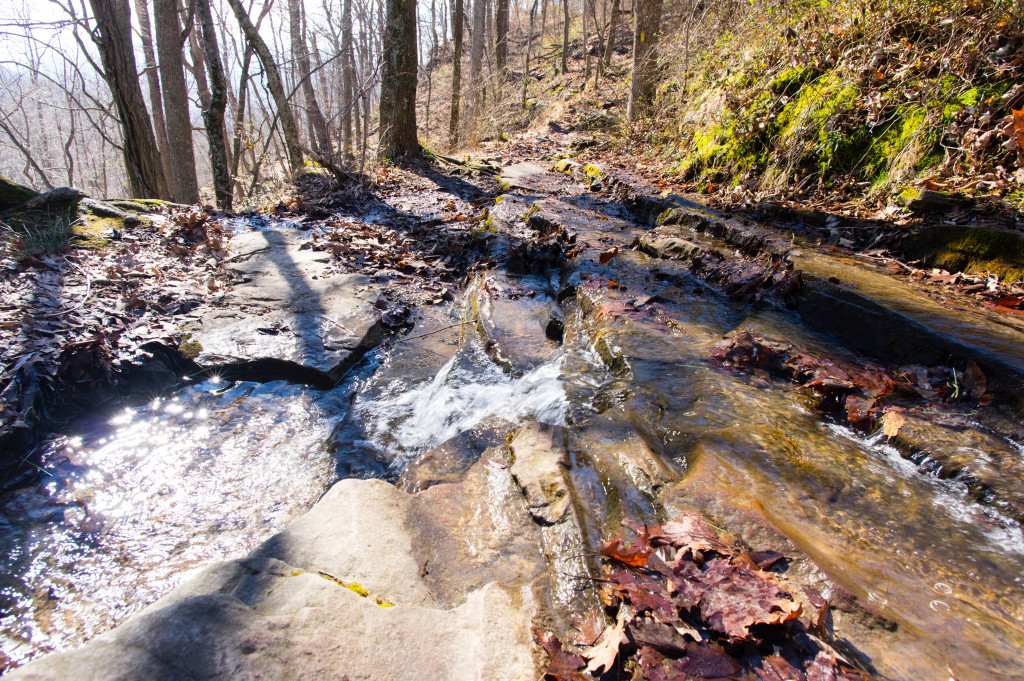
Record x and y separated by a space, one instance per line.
126 504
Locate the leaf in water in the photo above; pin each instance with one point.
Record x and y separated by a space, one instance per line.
691 531
608 255
892 421
635 555
972 380
777 668
736 599
562 664
706 661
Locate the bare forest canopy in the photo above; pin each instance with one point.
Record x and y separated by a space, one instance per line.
225 100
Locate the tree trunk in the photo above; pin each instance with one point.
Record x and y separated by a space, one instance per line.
457 20
141 158
565 36
398 82
501 40
259 46
476 60
609 46
213 116
155 98
176 104
348 78
322 143
529 44
645 57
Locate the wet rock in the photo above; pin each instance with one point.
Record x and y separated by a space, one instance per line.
525 176
512 317
538 467
371 583
289 306
475 532
956 448
449 461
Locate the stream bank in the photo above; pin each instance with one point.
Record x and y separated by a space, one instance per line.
570 387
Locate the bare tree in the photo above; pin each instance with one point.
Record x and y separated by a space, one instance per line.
213 114
114 40
609 46
176 104
348 77
457 21
296 23
398 82
274 84
153 79
476 79
645 57
501 40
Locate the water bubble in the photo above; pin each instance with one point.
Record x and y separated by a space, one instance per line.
943 588
940 607
877 597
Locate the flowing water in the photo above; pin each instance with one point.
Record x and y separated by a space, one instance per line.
126 505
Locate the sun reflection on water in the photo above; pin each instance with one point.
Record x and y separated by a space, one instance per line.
131 504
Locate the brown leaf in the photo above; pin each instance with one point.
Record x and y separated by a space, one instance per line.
636 555
562 664
972 380
645 631
603 653
736 599
1018 126
706 661
691 531
892 421
608 255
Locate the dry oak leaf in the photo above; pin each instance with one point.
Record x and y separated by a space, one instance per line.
603 653
892 421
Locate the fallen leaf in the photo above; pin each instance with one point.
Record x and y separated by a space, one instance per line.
608 255
690 531
635 555
562 664
603 653
736 599
706 661
892 421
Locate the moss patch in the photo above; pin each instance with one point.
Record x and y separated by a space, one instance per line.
13 194
977 250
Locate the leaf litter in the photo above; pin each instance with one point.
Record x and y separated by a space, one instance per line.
689 604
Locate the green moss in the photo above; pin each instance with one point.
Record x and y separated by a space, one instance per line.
959 248
13 194
92 231
190 349
791 80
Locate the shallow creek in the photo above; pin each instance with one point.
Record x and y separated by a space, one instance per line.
126 504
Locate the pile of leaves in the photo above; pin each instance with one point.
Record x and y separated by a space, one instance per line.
863 394
688 605
71 324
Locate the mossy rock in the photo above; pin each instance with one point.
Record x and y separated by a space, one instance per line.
13 194
958 248
140 205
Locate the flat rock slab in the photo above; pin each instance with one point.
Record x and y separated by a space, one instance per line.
372 583
289 305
